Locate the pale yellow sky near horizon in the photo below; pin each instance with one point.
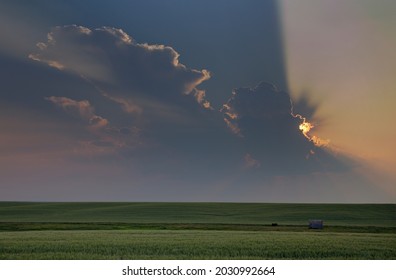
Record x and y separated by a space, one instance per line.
342 55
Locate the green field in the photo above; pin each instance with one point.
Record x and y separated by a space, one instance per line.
196 231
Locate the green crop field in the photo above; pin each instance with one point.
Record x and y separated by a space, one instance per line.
194 244
196 231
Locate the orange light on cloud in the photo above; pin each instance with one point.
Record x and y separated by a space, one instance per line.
306 127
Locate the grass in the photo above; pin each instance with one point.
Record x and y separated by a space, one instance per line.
40 226
195 231
198 244
216 213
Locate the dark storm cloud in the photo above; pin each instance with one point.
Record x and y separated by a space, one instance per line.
145 89
262 118
158 96
263 104
121 67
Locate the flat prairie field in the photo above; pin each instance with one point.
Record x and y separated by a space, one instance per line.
196 231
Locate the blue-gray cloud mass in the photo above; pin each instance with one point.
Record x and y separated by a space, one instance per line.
161 106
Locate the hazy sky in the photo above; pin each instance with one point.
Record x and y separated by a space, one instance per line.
267 101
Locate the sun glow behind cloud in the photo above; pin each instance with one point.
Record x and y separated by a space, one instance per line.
341 54
305 127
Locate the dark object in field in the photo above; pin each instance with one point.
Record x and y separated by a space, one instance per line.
274 224
316 224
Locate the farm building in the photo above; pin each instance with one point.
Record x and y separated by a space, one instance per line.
316 224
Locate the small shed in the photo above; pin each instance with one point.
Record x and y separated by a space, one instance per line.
316 224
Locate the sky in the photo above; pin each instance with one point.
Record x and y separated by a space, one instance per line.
226 100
